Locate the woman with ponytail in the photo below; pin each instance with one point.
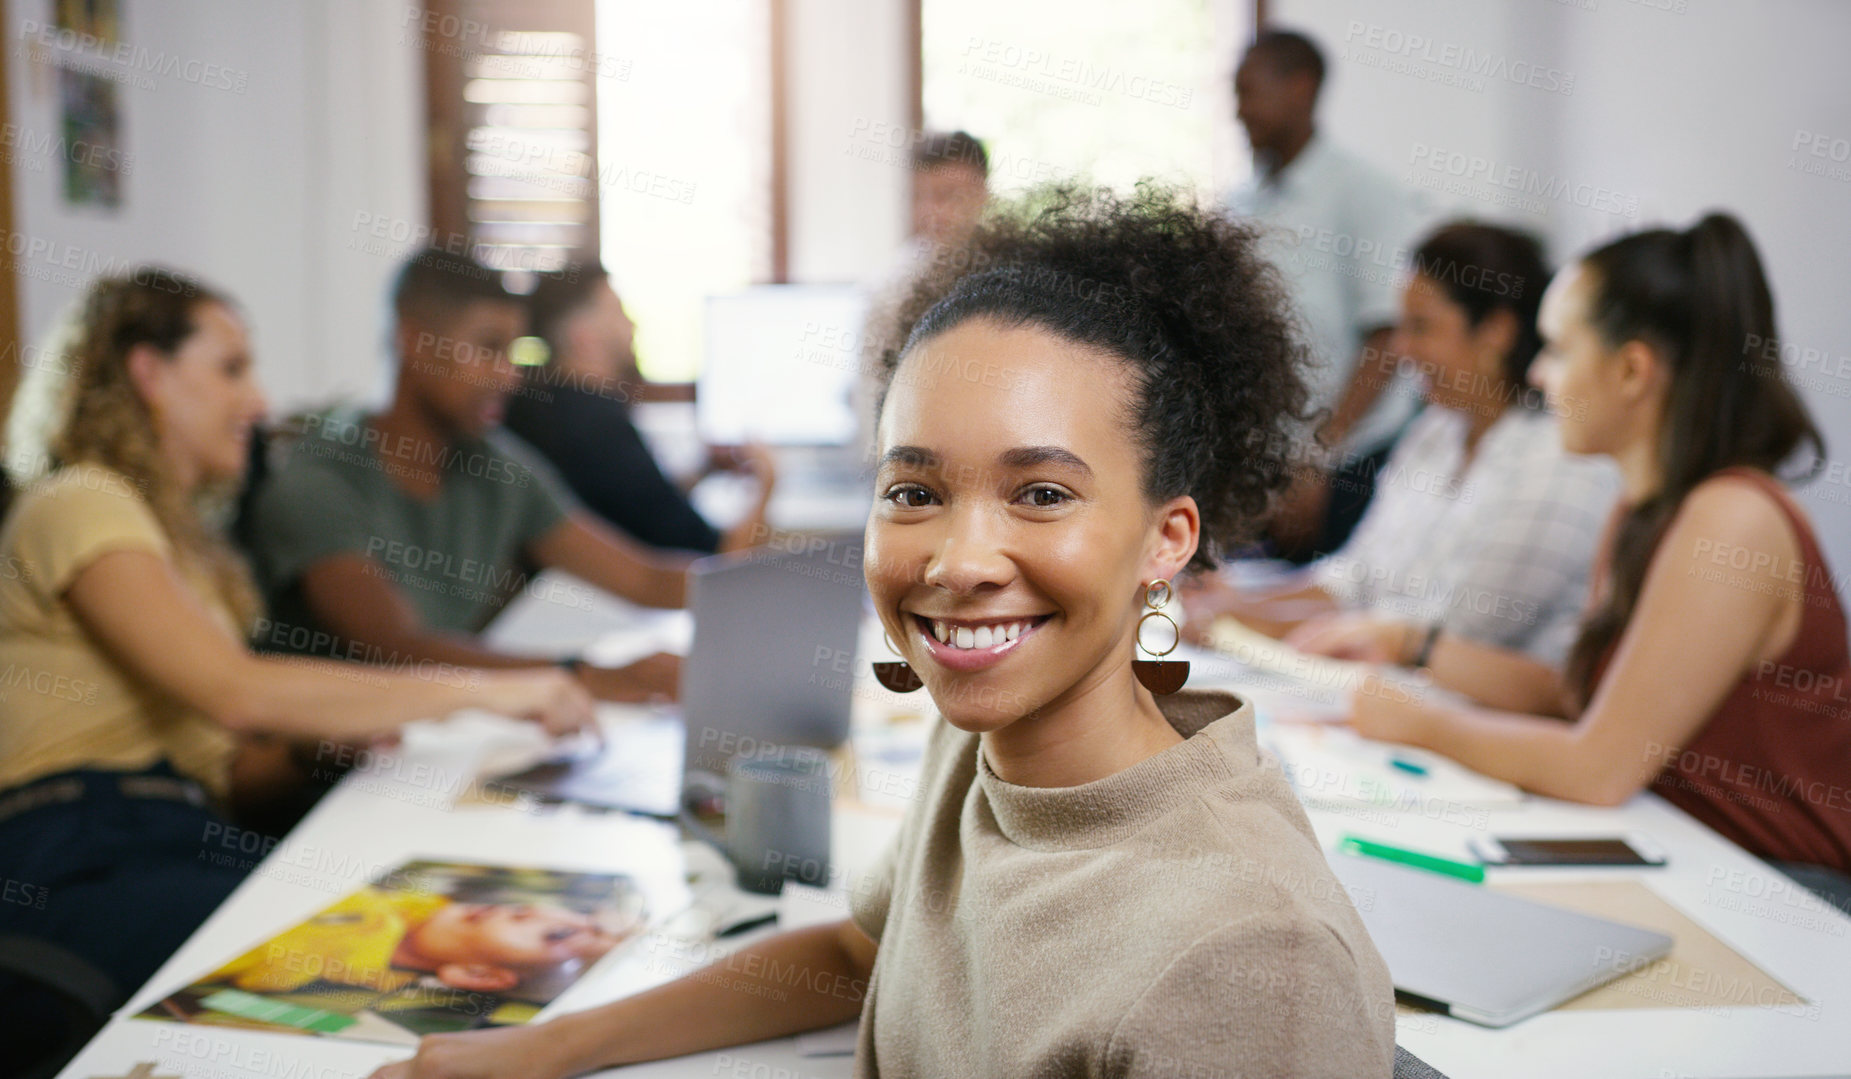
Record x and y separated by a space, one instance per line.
1712 663
134 714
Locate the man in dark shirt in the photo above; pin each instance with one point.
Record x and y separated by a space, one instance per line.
576 412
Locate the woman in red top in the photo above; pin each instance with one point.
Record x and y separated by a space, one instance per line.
1712 664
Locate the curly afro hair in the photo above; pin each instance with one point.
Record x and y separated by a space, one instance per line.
1181 294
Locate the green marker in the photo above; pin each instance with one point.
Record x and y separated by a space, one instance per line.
1432 863
250 1006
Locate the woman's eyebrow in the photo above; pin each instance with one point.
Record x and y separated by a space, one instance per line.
911 456
1030 456
1019 458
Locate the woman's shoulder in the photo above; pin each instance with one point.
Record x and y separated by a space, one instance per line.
64 521
84 490
1746 508
1432 430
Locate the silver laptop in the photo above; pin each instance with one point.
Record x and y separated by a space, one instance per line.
769 671
773 662
1481 955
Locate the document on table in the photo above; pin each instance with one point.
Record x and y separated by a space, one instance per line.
1249 646
1334 766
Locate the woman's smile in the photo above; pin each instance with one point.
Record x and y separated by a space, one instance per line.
974 644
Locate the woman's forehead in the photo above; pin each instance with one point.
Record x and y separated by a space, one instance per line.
1563 300
1020 385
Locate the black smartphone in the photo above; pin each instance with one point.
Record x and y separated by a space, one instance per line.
1586 850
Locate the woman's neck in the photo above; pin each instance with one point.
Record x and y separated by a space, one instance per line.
1101 727
1641 475
183 471
1480 417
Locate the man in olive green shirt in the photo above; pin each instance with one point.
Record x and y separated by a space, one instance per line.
395 537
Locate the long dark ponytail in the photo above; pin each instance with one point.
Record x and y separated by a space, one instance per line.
1700 299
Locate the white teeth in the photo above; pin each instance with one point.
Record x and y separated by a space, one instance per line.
985 636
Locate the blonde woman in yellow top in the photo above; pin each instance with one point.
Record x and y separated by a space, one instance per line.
132 713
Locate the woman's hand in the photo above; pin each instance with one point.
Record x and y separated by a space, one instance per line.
501 1053
1391 711
544 695
1365 638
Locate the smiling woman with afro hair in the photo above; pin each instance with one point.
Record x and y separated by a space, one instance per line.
1095 877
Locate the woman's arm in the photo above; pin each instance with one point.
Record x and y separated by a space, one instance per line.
1496 677
1492 676
796 981
148 620
1697 628
362 607
1274 611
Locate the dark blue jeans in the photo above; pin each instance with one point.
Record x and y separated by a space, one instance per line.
116 867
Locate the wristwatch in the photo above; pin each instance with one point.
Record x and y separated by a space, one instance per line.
1424 654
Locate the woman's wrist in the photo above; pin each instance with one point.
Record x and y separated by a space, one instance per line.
1417 643
1407 643
580 1042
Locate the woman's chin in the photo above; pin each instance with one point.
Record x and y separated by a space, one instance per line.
225 473
974 709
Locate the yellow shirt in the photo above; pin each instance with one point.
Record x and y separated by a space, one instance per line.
349 943
64 704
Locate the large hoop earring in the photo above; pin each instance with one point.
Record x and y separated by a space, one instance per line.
897 675
1156 675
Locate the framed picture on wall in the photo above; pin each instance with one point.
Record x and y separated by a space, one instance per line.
100 19
92 132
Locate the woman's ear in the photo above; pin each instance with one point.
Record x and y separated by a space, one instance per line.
146 367
1497 334
1638 371
1178 531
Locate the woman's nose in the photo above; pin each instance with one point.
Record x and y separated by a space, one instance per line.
1541 370
969 557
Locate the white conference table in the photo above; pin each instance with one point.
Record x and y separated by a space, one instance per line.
420 803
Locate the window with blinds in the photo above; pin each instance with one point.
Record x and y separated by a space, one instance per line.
513 103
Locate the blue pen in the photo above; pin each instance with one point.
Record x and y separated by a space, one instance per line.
1408 766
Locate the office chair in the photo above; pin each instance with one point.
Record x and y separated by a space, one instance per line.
53 1002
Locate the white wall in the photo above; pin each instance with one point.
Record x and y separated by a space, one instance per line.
257 191
848 89
1675 106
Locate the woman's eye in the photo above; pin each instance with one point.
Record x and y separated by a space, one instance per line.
1045 497
910 497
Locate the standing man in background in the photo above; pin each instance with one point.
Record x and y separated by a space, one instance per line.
1340 230
950 188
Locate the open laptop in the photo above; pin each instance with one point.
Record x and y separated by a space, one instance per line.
1479 954
773 662
770 669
